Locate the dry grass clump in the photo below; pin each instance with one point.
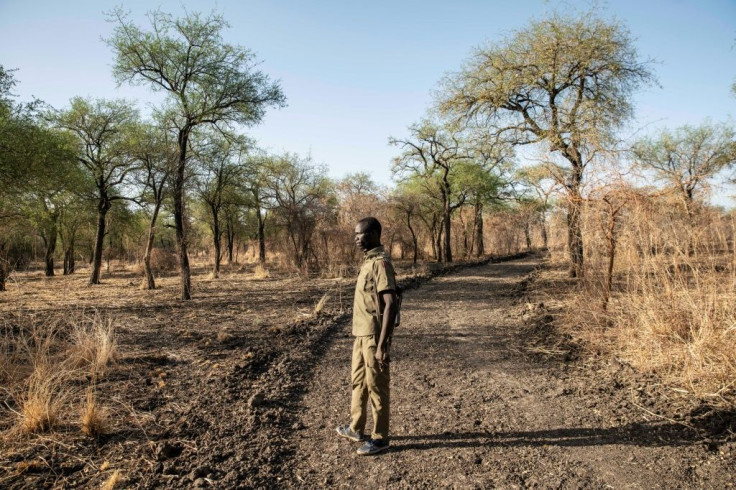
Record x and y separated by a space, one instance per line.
320 306
42 360
95 419
43 399
93 343
114 481
260 272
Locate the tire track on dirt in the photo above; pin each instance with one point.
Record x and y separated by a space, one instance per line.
470 410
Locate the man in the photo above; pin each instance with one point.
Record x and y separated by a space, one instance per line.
374 315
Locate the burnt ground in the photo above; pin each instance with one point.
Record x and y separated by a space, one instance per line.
243 387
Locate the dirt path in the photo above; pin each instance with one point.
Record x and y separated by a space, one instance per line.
471 410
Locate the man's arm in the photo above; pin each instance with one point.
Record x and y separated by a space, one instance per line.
387 325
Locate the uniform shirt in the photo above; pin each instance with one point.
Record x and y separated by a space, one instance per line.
376 275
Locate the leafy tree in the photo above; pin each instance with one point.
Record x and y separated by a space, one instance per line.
303 197
155 152
208 82
406 201
565 82
103 129
258 175
221 169
687 158
433 152
539 181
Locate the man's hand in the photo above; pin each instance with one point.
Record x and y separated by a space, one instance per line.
382 357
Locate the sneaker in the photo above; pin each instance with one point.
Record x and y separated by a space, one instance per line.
372 446
346 431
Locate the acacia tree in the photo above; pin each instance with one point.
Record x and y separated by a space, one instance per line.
104 129
687 158
406 202
207 81
155 152
302 197
433 153
539 181
256 181
565 82
221 168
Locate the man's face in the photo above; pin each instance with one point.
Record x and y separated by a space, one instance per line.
364 239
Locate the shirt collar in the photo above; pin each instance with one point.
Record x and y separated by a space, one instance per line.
374 252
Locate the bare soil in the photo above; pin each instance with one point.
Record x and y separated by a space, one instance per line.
243 386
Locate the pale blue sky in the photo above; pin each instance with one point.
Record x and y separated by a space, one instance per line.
355 73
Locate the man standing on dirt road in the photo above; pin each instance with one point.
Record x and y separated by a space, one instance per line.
374 315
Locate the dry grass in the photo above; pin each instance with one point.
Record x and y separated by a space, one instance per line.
93 343
42 360
114 481
671 311
320 306
95 419
43 400
260 272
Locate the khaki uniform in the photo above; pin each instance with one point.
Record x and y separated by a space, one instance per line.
376 275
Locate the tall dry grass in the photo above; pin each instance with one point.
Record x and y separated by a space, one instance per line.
46 358
671 310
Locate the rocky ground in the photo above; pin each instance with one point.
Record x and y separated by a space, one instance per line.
243 387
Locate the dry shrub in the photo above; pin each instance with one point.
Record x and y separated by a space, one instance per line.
93 343
161 261
260 272
671 309
95 420
114 481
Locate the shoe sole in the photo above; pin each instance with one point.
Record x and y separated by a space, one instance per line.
378 450
354 439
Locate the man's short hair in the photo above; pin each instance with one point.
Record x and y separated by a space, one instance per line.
371 225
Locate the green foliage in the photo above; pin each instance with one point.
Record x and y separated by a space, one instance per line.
687 157
207 79
565 81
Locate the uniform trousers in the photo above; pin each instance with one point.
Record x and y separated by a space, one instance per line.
369 383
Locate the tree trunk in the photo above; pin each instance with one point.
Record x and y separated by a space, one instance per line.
413 237
447 224
102 209
575 237
148 280
544 230
261 238
50 249
528 235
69 265
230 237
181 239
439 244
480 249
3 265
217 242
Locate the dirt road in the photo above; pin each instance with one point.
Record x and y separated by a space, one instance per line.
243 388
471 410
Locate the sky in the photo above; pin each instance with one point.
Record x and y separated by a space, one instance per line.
355 73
